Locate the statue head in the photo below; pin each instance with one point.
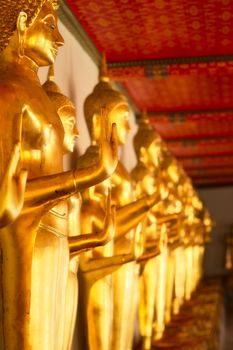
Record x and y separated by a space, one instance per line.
65 109
29 27
105 102
147 143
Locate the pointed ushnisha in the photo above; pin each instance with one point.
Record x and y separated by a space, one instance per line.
103 72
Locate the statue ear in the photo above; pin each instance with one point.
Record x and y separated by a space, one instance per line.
142 153
21 22
21 28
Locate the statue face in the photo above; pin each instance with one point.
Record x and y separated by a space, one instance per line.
67 115
163 190
173 172
154 152
151 155
149 184
43 38
120 116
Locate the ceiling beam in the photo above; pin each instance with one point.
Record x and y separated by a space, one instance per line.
195 156
173 60
210 174
208 184
194 140
216 178
210 167
186 113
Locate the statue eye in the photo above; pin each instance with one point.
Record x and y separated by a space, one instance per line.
51 26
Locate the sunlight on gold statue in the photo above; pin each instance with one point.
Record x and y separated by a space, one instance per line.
136 239
31 40
111 264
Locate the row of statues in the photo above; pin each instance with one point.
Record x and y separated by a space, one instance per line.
97 242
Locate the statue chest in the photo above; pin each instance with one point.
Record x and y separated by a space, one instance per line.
42 139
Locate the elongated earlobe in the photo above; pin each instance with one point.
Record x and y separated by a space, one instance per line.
21 28
142 153
96 127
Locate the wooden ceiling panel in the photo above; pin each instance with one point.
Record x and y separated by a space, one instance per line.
214 172
181 92
194 126
174 59
146 29
213 182
206 148
207 162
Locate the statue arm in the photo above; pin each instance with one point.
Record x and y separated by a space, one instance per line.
12 189
149 254
128 216
111 263
106 265
164 218
47 189
91 240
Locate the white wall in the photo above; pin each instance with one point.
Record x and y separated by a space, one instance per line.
220 202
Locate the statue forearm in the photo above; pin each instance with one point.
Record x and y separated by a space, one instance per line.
130 215
110 263
149 255
86 241
164 218
46 189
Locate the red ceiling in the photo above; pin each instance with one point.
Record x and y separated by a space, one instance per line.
147 29
177 126
202 148
207 162
182 92
175 59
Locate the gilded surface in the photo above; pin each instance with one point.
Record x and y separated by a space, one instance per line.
135 239
35 250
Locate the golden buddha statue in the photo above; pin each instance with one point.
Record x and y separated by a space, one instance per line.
149 260
150 151
77 243
30 39
147 143
100 266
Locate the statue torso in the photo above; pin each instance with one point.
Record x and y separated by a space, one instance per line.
28 115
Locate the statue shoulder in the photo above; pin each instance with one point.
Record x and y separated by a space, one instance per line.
13 94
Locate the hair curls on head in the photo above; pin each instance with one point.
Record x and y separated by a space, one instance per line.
144 137
103 96
53 91
10 10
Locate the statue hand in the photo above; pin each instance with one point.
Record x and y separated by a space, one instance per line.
12 189
110 220
163 237
108 147
88 176
153 199
138 243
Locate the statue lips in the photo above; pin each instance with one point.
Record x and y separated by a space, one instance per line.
54 51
